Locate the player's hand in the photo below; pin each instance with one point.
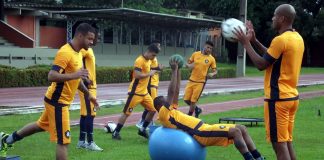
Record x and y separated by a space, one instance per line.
161 67
174 64
211 75
95 102
250 30
241 36
152 72
82 73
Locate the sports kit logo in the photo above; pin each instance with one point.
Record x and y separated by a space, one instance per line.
206 61
130 109
67 134
222 127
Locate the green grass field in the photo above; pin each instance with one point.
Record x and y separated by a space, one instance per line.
308 134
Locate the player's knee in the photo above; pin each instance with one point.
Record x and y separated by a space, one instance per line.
242 128
188 102
234 132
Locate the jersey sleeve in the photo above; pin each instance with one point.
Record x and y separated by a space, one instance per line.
275 50
138 65
213 64
191 59
61 61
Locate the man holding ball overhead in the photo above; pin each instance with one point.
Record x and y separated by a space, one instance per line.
282 64
205 134
199 63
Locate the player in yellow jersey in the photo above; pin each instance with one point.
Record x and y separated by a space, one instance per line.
199 63
138 93
282 63
65 76
205 134
153 83
87 110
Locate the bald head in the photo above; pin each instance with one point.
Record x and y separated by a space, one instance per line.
288 11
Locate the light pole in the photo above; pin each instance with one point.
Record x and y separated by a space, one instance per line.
241 52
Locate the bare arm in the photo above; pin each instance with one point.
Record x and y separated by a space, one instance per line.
54 76
177 88
190 65
173 82
140 75
212 74
257 60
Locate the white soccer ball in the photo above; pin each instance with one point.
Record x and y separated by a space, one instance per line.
110 127
228 28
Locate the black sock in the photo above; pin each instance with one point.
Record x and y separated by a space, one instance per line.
119 127
82 128
16 137
190 113
196 109
144 114
248 156
145 124
256 153
89 122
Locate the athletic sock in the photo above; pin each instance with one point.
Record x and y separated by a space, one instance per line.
119 127
89 123
13 138
248 156
144 114
145 124
256 154
82 128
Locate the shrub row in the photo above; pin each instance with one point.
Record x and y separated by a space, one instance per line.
37 76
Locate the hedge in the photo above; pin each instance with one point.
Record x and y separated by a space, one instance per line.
37 75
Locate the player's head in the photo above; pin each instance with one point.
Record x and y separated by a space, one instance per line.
283 15
157 43
152 51
85 34
208 47
159 102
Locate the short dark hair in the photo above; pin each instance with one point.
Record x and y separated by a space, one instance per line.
84 28
210 43
156 41
158 101
153 48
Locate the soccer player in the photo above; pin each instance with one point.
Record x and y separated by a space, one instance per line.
153 84
205 134
282 64
138 93
65 76
87 110
199 63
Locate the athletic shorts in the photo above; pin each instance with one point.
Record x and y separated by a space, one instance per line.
55 120
193 91
153 91
133 100
279 117
86 107
214 135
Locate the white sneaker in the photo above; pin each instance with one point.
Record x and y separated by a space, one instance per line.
139 124
93 147
82 144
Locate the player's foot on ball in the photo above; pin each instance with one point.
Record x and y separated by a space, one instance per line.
143 133
116 136
197 112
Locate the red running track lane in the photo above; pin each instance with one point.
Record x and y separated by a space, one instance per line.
33 96
207 109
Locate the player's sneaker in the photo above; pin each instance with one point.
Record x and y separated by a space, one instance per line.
116 136
143 133
197 111
93 147
3 146
139 124
82 144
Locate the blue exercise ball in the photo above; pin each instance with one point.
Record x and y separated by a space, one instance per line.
172 144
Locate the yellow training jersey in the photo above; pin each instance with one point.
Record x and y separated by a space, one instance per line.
285 55
172 118
154 81
67 60
201 65
89 63
139 86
